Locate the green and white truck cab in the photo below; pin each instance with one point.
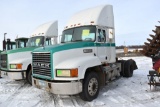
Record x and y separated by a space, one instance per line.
18 43
10 45
17 63
86 58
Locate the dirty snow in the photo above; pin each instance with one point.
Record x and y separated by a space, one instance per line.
124 92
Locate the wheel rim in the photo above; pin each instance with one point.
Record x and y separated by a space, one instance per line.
92 86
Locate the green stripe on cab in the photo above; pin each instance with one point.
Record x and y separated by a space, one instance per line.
72 45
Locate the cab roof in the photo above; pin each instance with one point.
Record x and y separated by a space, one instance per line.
21 38
49 29
100 15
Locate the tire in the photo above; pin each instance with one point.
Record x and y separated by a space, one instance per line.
91 86
122 67
128 68
29 77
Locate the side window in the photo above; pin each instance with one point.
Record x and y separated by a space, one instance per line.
101 35
104 34
48 41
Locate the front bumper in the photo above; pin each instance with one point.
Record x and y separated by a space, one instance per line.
14 75
62 88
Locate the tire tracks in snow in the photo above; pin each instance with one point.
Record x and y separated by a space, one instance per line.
46 99
10 99
62 101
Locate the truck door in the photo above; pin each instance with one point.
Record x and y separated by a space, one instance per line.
108 45
103 47
101 39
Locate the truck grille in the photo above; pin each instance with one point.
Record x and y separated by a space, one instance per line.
41 64
3 60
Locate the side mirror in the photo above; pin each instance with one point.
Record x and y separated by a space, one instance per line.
110 33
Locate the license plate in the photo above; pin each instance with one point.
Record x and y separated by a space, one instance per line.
42 84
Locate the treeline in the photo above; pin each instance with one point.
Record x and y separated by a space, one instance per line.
131 46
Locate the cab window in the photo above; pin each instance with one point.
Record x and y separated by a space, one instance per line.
48 41
101 35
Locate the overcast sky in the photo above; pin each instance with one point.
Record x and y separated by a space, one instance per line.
134 19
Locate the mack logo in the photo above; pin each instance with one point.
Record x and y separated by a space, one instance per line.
45 65
87 50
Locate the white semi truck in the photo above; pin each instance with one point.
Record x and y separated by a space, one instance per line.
17 63
9 45
86 58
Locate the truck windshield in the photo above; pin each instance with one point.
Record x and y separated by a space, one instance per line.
84 33
20 44
35 41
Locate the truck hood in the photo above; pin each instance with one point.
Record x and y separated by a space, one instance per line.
19 50
64 46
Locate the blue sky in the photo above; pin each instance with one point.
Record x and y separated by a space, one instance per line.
134 19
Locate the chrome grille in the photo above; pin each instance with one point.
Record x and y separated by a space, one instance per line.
41 64
3 60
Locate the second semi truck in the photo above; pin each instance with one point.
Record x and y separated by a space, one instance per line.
17 63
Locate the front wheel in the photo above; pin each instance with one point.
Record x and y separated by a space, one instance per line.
91 86
29 77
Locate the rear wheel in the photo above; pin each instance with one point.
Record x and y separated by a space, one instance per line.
122 67
128 68
29 77
90 89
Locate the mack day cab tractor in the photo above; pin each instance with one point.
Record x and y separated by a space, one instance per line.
18 43
9 45
86 58
17 62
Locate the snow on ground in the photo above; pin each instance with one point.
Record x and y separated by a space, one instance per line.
124 92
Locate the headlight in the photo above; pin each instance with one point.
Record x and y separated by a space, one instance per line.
15 66
67 72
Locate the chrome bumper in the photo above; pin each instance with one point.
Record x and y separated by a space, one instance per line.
62 88
14 75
